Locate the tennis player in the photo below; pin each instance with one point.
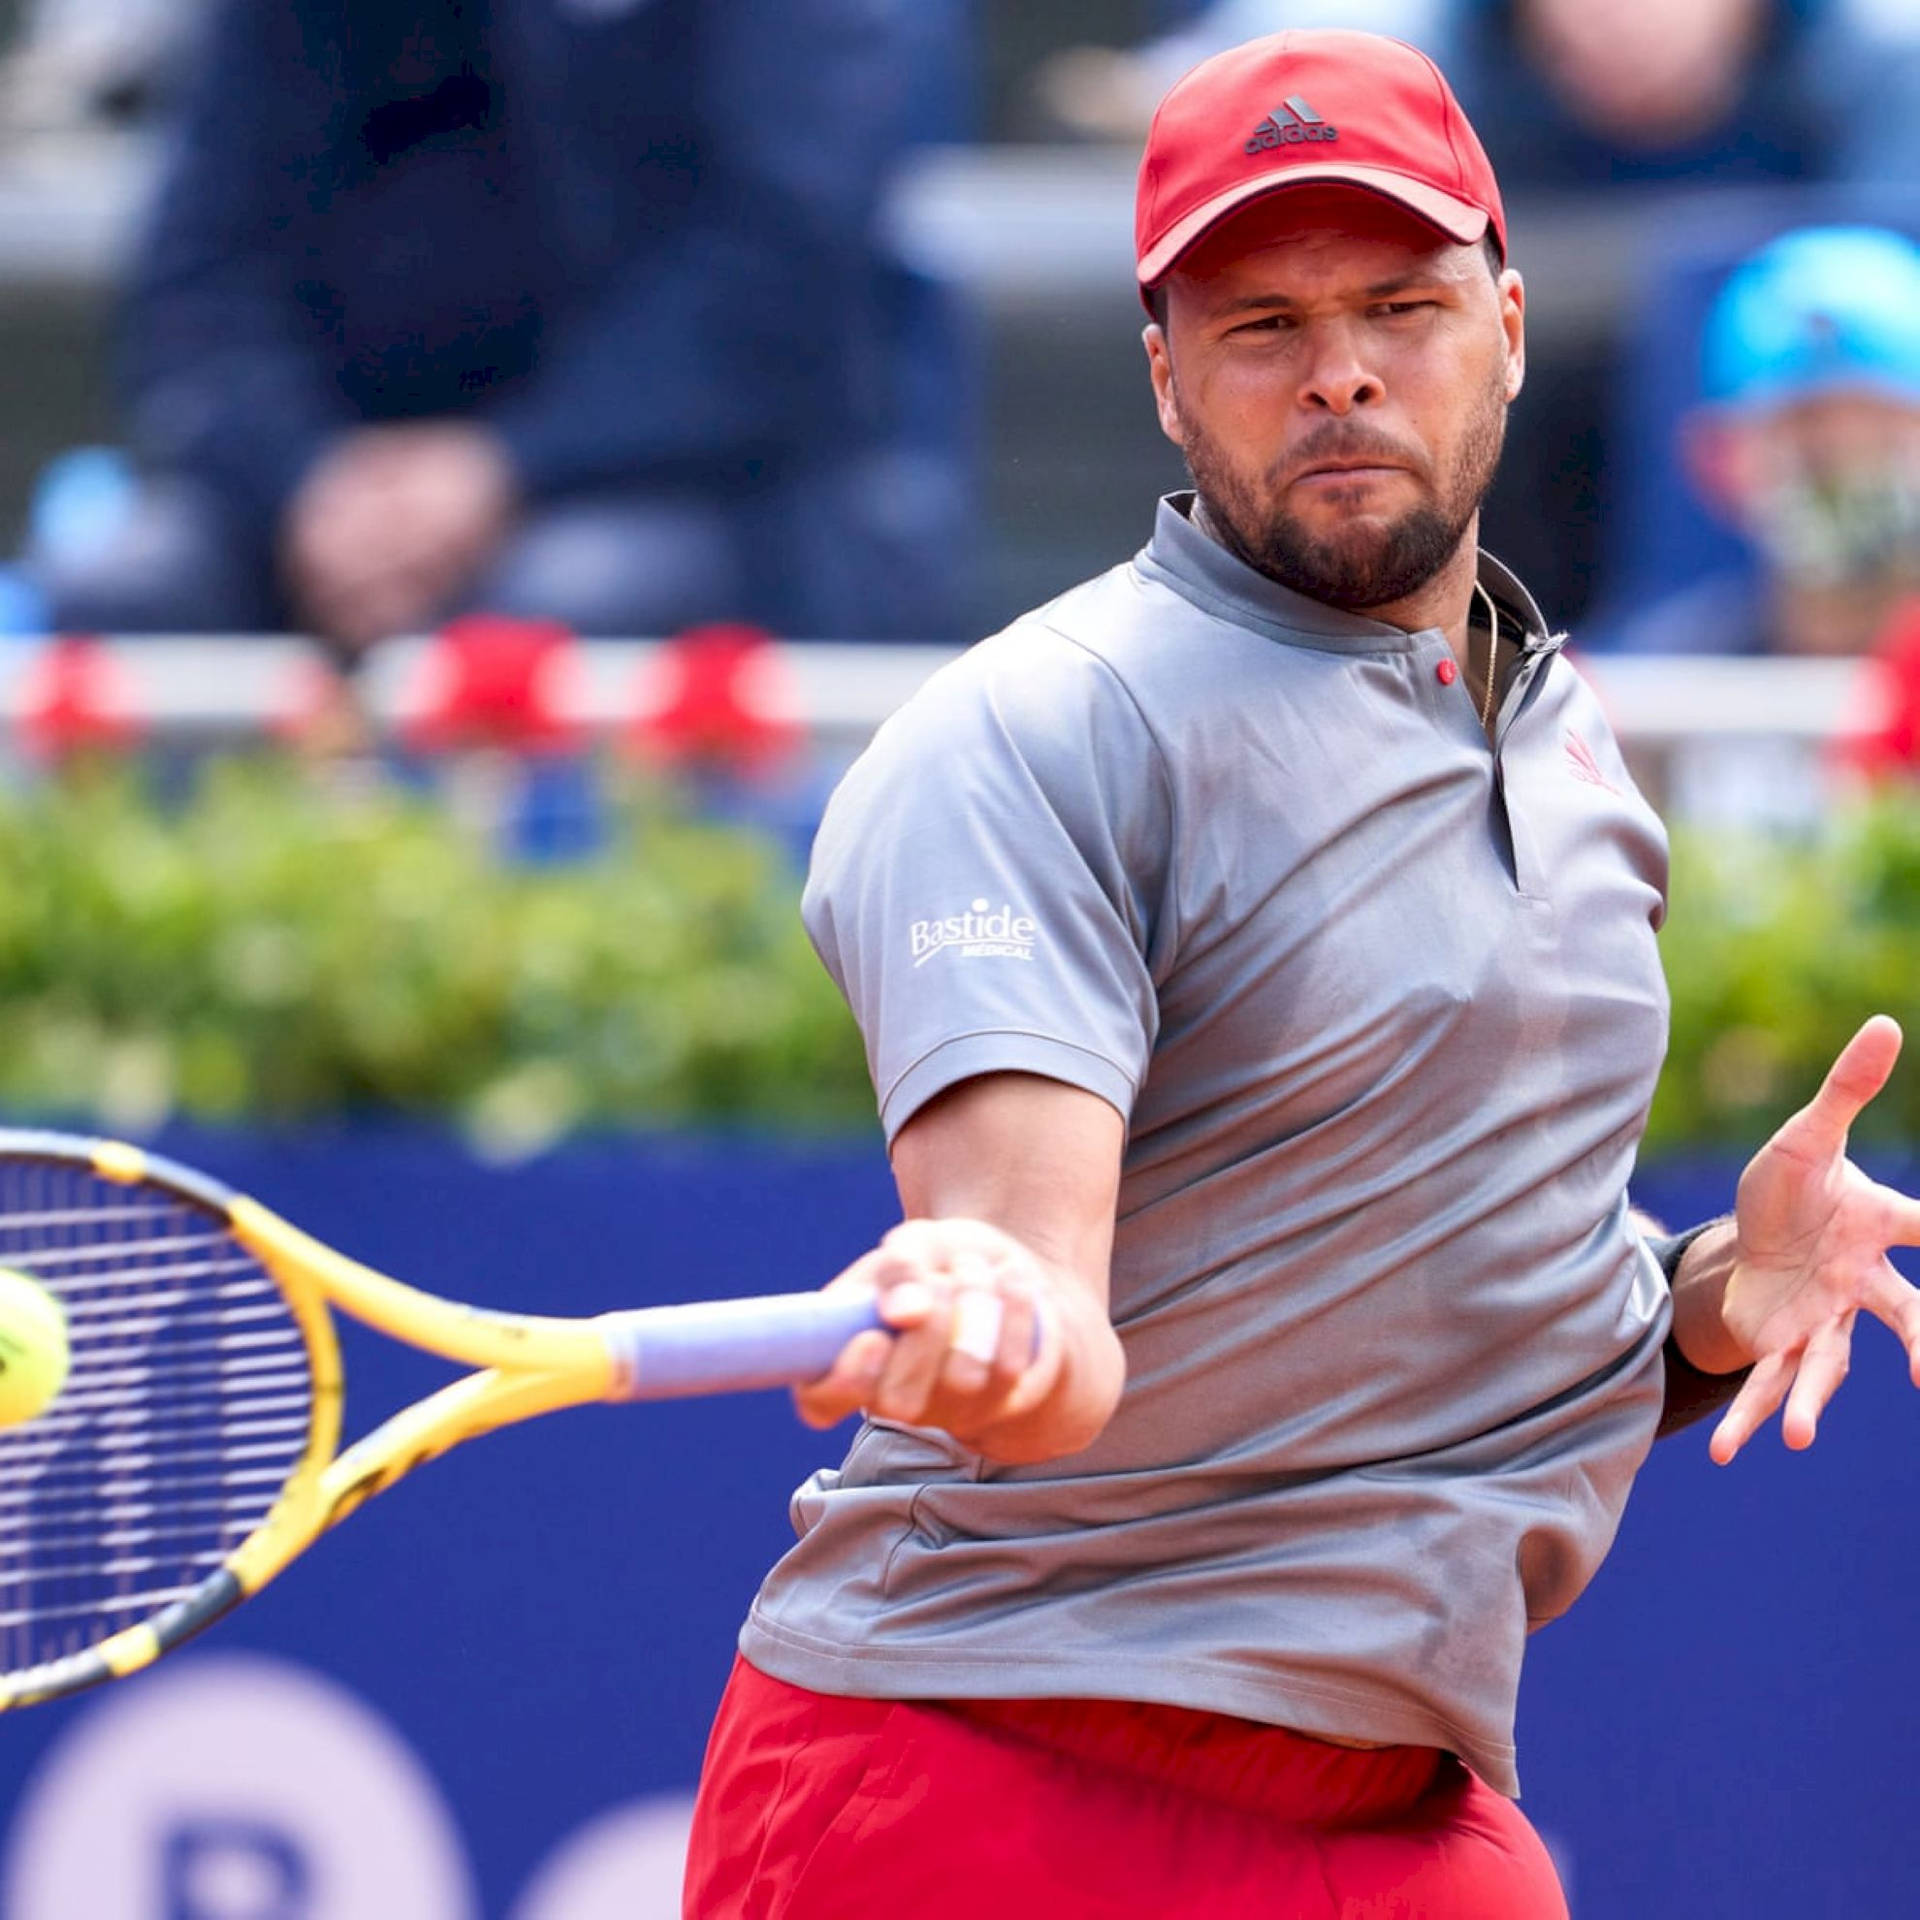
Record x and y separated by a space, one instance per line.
1255 953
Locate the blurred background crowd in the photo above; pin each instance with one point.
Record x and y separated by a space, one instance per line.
509 319
347 316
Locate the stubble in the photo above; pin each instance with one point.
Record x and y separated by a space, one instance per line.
1360 566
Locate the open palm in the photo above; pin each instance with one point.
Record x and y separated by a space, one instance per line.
1812 1233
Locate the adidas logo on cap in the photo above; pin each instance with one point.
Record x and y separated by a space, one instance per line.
1289 125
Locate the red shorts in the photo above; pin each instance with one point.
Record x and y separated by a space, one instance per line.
817 1807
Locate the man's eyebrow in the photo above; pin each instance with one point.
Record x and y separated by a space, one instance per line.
1380 290
1400 283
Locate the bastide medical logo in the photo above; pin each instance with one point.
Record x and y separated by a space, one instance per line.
983 932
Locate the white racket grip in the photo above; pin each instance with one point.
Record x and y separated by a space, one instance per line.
731 1346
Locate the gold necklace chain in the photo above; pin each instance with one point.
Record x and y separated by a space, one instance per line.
1493 653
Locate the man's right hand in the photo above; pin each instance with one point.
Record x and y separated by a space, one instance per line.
994 1290
968 1346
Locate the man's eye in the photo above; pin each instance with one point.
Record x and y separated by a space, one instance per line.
1267 323
1394 309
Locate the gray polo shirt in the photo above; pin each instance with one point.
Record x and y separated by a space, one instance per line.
1384 1011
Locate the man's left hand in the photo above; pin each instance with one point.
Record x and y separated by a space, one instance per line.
1809 1252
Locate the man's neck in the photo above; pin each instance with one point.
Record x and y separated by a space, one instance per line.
1444 601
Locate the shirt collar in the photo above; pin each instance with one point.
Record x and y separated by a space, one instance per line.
1516 602
1198 568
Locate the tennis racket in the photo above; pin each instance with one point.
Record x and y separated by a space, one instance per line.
193 1451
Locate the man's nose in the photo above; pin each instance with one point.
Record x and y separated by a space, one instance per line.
1336 378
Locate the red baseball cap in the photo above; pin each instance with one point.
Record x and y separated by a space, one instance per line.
1310 105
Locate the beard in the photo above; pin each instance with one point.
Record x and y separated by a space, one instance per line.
1365 563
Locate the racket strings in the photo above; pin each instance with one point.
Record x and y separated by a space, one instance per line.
187 1405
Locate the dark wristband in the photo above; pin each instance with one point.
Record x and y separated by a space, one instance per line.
1691 1394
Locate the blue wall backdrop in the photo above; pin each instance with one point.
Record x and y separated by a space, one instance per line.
1724 1726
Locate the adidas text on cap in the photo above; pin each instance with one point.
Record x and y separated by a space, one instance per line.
1329 105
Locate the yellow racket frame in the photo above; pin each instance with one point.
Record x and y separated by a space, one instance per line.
525 1365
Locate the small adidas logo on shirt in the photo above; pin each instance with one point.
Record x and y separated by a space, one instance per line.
1582 764
1289 125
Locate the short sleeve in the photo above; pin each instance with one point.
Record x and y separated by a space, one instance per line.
986 883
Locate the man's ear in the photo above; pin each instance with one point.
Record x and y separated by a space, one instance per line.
1513 323
1166 399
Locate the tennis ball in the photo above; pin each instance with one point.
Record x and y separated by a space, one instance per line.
33 1347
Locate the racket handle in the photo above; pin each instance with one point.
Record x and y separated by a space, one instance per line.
730 1346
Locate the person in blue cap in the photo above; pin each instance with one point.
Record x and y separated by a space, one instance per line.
1807 443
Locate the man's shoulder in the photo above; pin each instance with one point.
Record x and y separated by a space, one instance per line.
1124 631
1066 693
1091 643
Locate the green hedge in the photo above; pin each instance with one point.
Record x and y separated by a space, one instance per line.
271 949
1776 951
275 949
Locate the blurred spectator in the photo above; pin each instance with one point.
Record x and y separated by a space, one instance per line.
87 66
1587 103
1808 444
1109 93
1576 94
570 308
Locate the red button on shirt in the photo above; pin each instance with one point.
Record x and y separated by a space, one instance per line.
1446 673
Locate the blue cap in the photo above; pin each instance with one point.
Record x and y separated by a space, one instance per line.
1817 310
